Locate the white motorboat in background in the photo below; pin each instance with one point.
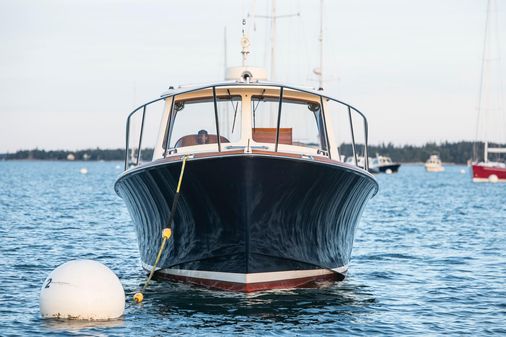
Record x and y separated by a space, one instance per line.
434 164
360 162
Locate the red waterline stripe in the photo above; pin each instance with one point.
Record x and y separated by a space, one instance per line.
251 287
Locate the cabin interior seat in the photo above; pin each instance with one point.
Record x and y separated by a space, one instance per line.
191 140
268 135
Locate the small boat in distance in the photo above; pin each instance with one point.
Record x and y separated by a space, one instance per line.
265 202
491 113
383 164
490 171
360 162
434 164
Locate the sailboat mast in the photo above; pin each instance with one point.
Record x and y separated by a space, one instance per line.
320 75
273 40
482 79
225 61
274 19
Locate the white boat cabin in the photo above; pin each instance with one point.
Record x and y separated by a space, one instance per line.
381 161
252 116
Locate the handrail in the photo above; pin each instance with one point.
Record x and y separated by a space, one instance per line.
279 118
353 137
351 109
169 125
143 106
366 140
216 119
140 136
366 135
327 145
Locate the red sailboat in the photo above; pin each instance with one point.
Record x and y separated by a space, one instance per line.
490 125
490 171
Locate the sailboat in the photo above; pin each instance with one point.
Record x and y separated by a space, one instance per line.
490 170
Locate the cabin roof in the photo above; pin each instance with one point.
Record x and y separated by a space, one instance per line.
185 89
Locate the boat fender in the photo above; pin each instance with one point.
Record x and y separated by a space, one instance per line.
82 290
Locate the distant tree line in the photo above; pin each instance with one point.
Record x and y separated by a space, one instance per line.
90 154
458 152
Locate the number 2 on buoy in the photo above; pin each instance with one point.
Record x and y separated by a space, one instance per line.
48 282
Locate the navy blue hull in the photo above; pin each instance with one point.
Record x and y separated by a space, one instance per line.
394 168
248 213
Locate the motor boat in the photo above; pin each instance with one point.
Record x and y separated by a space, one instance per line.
265 201
360 162
434 164
383 164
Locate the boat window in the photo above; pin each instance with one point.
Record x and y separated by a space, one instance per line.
300 122
229 117
194 123
264 114
348 128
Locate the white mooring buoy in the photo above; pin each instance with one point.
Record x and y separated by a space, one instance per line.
83 170
83 290
388 171
493 178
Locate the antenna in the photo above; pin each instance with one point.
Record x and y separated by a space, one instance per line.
245 73
245 44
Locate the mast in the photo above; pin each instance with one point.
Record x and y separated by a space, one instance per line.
273 40
225 61
318 71
320 75
482 78
274 18
490 118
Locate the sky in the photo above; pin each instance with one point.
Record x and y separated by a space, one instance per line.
71 71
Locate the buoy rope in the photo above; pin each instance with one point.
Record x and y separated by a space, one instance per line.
166 234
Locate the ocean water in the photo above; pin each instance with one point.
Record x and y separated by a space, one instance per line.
429 259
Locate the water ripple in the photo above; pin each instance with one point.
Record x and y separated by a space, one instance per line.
429 259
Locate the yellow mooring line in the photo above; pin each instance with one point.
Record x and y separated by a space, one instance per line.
166 233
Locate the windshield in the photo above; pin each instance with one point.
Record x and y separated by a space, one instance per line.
194 121
300 123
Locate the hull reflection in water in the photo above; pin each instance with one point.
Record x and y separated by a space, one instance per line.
248 222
